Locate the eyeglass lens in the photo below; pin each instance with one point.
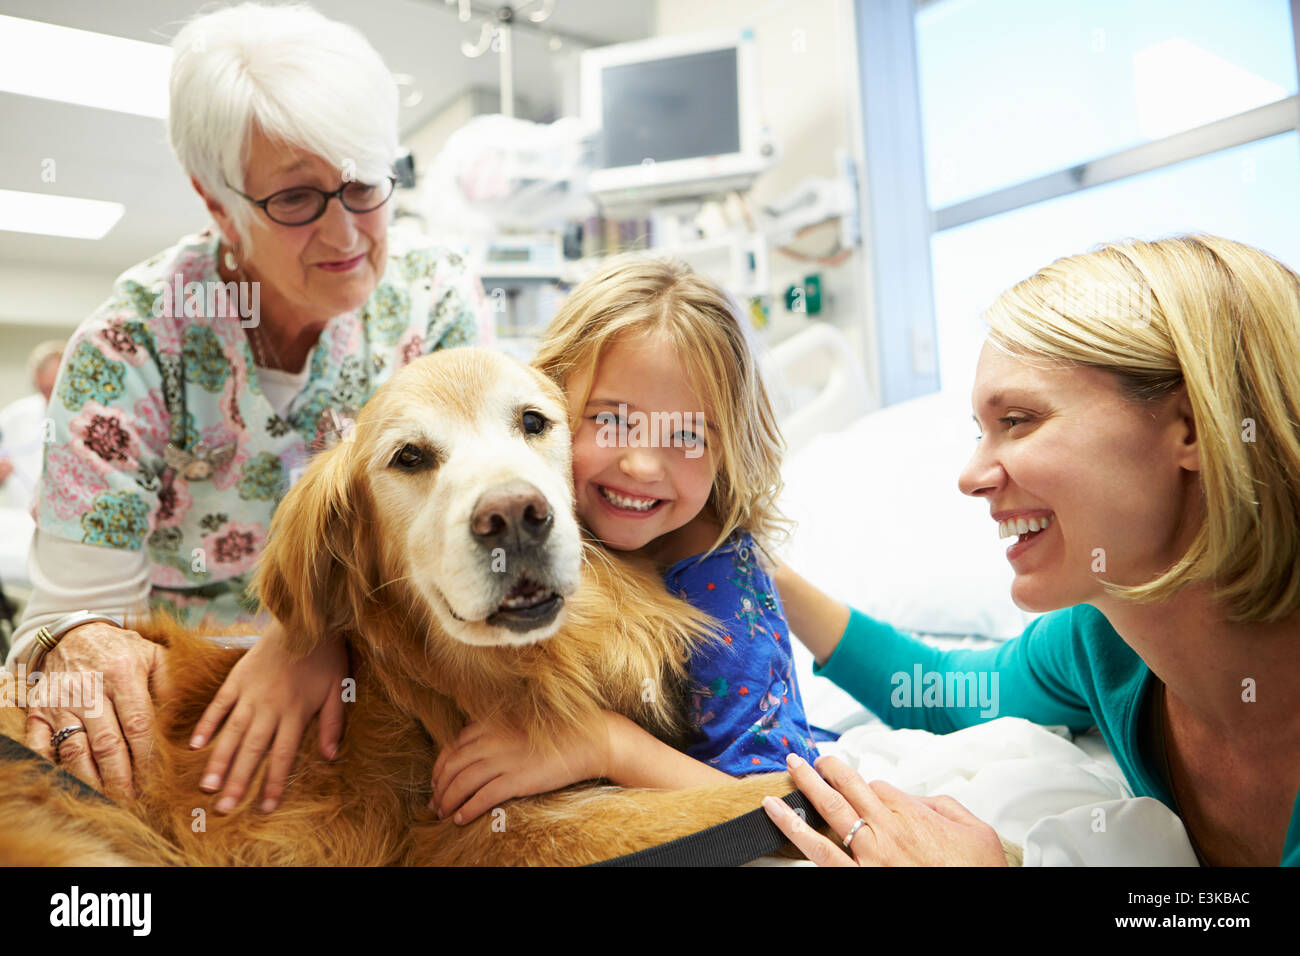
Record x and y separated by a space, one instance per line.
297 206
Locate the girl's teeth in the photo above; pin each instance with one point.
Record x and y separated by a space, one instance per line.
631 504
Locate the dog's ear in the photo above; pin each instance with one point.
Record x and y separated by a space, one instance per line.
303 575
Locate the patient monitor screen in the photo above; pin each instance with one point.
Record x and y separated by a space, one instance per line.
678 108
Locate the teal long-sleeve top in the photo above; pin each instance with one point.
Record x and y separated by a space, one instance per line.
1069 667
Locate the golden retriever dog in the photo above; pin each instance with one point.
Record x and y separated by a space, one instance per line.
439 539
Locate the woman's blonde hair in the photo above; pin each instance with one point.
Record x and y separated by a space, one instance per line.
638 294
1223 319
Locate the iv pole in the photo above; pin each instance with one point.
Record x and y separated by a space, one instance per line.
499 38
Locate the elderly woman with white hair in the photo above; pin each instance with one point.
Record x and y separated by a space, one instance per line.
189 402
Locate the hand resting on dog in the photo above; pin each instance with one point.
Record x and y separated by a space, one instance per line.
267 701
487 766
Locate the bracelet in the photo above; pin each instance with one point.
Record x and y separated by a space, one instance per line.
49 636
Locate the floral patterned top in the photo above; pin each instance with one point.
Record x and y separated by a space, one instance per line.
162 439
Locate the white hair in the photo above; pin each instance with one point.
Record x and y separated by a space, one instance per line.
304 79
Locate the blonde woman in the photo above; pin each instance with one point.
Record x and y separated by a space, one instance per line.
1140 410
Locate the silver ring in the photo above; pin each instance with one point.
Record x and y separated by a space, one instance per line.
856 827
57 740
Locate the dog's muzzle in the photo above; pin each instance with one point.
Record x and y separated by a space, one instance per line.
511 523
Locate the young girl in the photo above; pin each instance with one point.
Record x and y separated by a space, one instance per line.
676 457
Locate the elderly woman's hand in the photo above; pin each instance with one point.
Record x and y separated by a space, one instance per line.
115 668
271 697
899 829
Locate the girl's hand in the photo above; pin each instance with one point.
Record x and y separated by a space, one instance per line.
271 698
900 829
487 766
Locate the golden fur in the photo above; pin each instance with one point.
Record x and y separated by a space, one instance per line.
339 561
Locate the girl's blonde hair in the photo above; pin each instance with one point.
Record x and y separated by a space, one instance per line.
1223 319
635 295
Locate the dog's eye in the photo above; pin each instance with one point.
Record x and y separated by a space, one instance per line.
534 423
409 458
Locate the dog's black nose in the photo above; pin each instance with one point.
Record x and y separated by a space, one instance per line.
511 516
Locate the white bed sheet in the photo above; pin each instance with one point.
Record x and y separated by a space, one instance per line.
1063 799
1031 784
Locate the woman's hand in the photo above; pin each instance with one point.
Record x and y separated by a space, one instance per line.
900 829
98 676
487 766
271 697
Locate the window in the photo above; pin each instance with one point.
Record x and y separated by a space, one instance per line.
1049 128
1250 192
1014 89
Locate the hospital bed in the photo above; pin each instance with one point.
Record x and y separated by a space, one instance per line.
881 525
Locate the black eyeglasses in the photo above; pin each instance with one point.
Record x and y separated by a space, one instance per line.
300 205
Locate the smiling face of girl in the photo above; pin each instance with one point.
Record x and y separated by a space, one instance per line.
1115 480
643 493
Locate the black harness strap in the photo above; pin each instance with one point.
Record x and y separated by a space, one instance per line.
732 843
12 750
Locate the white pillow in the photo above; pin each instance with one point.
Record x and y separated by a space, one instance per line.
883 527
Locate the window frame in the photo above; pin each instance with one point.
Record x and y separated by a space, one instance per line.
898 198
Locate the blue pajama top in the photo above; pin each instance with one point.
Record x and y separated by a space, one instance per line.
744 701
